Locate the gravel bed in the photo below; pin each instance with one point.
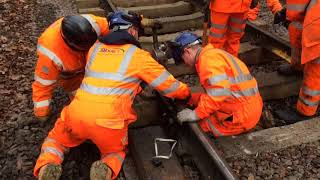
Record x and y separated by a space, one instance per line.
293 163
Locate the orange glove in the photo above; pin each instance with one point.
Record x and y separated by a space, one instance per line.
195 97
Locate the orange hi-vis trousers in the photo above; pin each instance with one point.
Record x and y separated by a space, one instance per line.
309 96
226 30
73 128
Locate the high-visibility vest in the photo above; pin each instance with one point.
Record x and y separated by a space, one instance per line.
113 75
227 82
56 59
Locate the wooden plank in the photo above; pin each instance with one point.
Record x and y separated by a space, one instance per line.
270 139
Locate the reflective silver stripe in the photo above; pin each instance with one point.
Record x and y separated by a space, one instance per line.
214 129
50 55
245 92
54 141
42 103
218 26
93 54
307 102
216 35
44 82
241 78
172 88
105 90
160 79
93 23
218 78
233 62
297 25
311 4
112 76
310 92
116 155
52 150
218 92
296 7
235 29
126 60
237 20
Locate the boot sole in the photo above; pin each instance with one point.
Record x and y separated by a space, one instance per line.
100 171
51 172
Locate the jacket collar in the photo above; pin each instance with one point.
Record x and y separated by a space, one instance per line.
119 38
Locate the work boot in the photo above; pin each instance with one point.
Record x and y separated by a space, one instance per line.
50 172
288 70
100 171
290 116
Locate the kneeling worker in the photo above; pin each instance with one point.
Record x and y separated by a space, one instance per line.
101 109
232 103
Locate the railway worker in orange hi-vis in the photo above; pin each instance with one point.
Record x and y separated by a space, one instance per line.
228 21
305 26
61 50
101 109
274 5
231 103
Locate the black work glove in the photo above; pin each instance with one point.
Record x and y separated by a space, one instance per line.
280 16
254 3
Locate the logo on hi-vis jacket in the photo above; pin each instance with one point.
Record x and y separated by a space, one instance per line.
113 51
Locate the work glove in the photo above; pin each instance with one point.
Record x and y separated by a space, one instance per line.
280 16
187 115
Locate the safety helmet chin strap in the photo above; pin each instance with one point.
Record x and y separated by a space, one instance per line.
197 55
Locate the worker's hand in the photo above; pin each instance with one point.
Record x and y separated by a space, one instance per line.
280 16
153 23
187 115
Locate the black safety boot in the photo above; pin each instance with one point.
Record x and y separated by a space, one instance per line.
289 70
100 171
290 116
50 172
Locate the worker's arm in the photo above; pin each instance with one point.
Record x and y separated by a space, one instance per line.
45 79
213 77
154 74
253 13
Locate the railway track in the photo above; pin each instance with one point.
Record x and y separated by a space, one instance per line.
196 155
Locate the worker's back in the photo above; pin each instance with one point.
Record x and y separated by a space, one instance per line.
229 85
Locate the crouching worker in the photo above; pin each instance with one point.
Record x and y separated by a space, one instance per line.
61 50
101 110
232 103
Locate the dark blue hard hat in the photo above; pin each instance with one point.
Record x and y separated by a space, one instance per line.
182 41
124 19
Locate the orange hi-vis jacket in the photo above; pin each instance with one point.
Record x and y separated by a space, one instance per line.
112 79
230 89
311 33
273 5
230 6
59 63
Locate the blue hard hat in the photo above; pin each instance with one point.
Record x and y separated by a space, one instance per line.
181 42
123 19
